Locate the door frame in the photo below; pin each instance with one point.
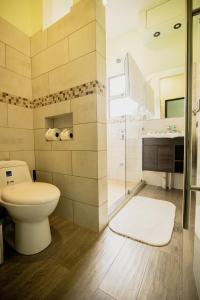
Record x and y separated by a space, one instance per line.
188 187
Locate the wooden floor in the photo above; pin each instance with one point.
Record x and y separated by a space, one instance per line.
80 264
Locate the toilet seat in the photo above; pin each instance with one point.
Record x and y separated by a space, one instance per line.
33 193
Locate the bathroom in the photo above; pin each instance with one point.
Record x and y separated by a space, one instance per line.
71 65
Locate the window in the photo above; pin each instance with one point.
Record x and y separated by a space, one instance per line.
122 106
174 108
119 103
117 86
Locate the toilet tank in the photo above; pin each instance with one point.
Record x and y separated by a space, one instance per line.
13 171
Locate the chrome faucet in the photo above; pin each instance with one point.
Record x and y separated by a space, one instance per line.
169 128
172 128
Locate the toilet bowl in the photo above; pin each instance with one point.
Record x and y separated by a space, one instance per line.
29 204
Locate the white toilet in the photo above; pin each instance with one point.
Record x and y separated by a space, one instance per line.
29 204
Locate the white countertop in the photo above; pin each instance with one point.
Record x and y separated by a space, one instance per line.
167 135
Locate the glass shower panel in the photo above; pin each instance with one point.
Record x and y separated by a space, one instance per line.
125 100
116 161
134 101
133 153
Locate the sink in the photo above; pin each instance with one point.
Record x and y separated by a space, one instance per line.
170 135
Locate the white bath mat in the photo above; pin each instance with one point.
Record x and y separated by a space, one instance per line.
146 220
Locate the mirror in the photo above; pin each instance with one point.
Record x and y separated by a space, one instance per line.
155 44
167 86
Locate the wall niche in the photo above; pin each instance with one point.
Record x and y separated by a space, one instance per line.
61 121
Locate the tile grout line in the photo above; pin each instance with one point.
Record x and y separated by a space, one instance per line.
95 51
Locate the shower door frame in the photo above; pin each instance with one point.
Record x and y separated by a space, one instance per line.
188 187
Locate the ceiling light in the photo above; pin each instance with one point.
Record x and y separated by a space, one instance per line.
177 25
105 2
156 34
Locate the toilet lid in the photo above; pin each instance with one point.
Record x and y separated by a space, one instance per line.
30 193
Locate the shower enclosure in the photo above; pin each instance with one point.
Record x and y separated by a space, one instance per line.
125 102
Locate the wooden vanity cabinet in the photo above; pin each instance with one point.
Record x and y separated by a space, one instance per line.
163 154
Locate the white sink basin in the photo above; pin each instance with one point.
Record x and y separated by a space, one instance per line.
170 135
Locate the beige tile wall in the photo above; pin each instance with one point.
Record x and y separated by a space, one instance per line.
40 86
50 58
80 15
74 73
2 54
84 37
13 37
15 84
16 134
38 42
77 167
16 123
20 117
18 62
4 114
69 53
15 61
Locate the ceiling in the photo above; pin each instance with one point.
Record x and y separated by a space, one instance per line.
122 15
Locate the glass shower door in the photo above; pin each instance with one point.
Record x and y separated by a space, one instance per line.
116 142
116 161
133 153
125 99
133 145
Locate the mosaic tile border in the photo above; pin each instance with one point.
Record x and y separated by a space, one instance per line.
15 100
92 87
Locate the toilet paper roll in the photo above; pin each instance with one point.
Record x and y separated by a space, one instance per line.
52 134
66 134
